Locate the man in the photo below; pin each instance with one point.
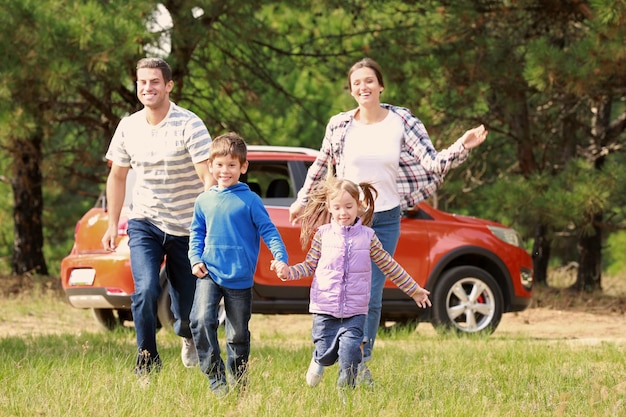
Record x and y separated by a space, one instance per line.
167 147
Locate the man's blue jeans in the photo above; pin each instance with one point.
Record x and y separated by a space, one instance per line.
204 326
149 246
386 224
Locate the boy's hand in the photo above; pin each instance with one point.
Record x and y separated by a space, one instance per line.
199 270
281 269
421 298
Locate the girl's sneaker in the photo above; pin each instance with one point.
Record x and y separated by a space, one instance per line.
364 376
314 373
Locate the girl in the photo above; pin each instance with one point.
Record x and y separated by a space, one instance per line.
340 258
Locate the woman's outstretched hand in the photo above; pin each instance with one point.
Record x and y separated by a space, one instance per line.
474 137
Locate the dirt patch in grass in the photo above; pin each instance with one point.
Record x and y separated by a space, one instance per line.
555 313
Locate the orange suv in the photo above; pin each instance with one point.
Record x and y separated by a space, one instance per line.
475 269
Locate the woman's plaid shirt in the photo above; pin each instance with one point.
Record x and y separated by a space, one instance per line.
421 167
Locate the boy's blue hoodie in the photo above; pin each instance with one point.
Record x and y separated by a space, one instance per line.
225 234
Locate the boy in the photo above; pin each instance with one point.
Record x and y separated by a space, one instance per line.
227 224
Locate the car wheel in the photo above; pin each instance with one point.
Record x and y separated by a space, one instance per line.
221 314
107 318
125 315
467 300
164 309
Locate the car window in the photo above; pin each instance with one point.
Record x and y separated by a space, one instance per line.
417 213
271 181
130 184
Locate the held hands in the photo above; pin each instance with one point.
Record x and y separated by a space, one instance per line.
281 268
474 137
421 298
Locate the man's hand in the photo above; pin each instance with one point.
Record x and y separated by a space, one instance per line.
109 240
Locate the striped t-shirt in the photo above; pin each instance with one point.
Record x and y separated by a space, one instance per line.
163 158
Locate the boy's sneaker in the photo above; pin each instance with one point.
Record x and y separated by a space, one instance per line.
145 368
219 386
220 390
363 375
314 373
189 354
145 365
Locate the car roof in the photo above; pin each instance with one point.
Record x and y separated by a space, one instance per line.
283 150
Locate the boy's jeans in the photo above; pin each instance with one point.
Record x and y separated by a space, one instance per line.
148 246
204 325
386 224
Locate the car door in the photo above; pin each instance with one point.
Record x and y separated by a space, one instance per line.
274 180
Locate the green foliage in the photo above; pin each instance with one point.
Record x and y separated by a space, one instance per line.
614 251
532 72
62 71
6 228
533 75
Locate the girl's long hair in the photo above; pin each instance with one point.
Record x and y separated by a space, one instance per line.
316 212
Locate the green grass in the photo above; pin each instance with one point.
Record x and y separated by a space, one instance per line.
81 371
90 375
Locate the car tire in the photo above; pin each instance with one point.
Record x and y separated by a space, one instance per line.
467 300
164 304
164 309
107 318
221 314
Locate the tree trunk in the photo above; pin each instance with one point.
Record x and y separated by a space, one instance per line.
589 277
28 207
520 126
541 255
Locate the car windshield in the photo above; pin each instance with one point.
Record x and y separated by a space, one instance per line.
130 184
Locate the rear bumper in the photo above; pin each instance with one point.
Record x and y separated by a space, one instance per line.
97 298
107 282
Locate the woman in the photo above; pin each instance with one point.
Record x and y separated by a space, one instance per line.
389 147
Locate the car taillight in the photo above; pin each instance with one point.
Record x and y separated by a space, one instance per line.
115 291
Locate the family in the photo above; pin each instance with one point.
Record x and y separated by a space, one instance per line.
190 211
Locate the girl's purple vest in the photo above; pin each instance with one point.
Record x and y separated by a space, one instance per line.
343 277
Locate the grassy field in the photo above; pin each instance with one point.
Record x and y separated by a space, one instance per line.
89 374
